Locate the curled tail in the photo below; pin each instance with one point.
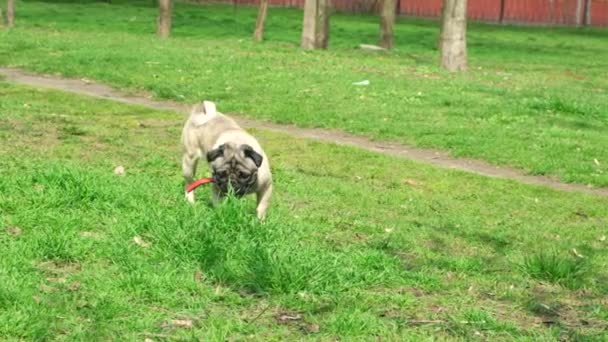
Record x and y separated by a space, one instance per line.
202 113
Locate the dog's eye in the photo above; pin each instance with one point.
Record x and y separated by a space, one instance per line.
222 174
244 174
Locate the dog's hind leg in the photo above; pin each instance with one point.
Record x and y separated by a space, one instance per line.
189 162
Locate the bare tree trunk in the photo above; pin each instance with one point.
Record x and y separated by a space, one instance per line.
10 13
453 43
309 24
322 29
588 12
163 23
315 27
501 14
387 22
258 34
579 12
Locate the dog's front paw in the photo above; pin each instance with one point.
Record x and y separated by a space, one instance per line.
190 197
261 215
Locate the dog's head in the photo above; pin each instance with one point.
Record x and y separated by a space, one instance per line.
234 166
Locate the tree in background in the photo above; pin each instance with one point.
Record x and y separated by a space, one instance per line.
315 27
452 41
387 22
10 13
258 34
163 22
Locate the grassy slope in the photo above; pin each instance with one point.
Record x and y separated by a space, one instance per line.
357 243
533 98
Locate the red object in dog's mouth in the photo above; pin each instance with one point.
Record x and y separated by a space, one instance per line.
198 183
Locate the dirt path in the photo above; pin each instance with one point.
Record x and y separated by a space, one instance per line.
434 157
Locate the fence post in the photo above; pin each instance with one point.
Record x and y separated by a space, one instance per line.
501 14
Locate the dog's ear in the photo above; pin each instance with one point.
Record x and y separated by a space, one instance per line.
215 153
253 155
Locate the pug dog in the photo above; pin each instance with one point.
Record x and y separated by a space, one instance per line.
235 158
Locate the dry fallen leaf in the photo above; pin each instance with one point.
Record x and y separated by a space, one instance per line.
46 288
198 276
597 162
82 304
362 83
140 242
576 253
36 299
56 280
181 323
119 170
285 317
311 328
360 236
92 235
14 231
411 182
75 286
219 290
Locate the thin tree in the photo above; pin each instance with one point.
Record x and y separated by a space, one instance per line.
258 34
387 22
10 13
587 12
322 32
163 22
578 15
453 42
315 28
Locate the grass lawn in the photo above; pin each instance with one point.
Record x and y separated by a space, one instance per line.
534 98
357 245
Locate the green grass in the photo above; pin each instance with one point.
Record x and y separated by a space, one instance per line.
534 98
356 246
568 270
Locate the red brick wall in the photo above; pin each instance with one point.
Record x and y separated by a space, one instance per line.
599 13
560 12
